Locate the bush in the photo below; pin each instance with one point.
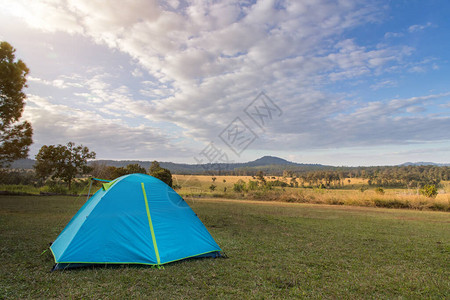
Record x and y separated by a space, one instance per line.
379 190
17 177
55 187
391 203
278 183
439 207
252 185
266 195
239 186
429 191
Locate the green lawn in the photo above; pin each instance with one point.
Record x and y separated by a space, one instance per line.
275 251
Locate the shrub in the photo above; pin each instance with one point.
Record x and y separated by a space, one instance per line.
379 190
239 186
439 207
429 190
55 187
17 177
336 201
252 185
278 183
391 203
267 195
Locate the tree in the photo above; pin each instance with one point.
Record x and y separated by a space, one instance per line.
154 167
135 168
99 170
260 175
15 137
112 172
63 162
163 174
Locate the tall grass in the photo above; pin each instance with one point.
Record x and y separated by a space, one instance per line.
194 186
350 194
51 187
354 198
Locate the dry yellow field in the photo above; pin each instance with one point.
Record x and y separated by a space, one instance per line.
195 180
349 194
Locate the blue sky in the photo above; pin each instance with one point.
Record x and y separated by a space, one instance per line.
356 82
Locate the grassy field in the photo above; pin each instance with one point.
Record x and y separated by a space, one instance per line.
357 192
350 194
276 250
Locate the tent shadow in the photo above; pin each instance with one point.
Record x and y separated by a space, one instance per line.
81 267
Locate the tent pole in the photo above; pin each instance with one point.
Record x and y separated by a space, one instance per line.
89 193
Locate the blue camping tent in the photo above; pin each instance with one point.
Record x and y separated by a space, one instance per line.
135 219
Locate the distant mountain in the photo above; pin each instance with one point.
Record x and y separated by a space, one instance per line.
269 160
23 164
265 163
268 164
423 163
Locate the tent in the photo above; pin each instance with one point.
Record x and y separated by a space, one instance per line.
135 219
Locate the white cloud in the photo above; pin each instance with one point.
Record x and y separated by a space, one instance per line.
197 64
393 34
137 73
383 84
47 15
59 83
419 27
351 60
417 69
57 124
415 109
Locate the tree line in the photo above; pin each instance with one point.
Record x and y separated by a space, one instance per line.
383 176
67 162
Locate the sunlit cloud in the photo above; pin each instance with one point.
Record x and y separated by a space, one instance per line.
193 66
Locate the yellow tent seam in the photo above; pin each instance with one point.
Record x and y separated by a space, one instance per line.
151 225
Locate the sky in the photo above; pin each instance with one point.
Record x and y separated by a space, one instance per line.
344 83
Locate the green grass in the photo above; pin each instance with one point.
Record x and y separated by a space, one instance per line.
20 188
275 251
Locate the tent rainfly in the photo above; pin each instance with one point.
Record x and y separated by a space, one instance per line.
135 219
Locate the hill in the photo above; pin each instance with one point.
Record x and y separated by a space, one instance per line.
423 163
269 160
268 164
